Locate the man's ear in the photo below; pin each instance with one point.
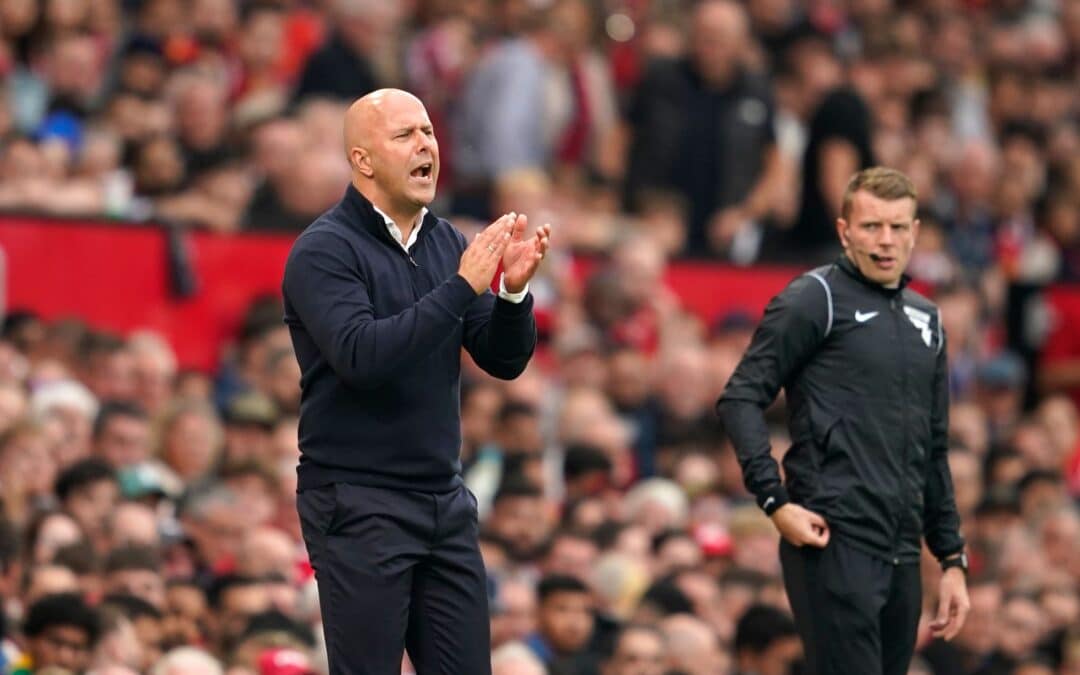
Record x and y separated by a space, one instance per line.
361 162
841 232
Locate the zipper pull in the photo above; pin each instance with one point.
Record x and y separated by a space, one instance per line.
414 263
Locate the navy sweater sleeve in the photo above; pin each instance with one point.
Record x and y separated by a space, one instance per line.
791 330
329 294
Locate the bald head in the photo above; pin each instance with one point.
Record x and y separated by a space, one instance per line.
718 39
364 116
392 152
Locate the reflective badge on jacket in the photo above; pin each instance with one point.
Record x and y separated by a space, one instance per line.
921 321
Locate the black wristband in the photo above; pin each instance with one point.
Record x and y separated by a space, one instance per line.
772 499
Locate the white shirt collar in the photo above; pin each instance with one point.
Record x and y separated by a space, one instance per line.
395 231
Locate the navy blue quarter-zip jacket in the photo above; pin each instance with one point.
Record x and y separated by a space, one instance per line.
865 375
378 333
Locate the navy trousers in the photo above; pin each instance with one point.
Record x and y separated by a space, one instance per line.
856 614
398 570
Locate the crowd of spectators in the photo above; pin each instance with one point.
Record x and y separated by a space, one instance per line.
149 520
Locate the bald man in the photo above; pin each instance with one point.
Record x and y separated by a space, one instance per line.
703 129
380 297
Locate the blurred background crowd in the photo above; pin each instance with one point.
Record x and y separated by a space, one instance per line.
148 511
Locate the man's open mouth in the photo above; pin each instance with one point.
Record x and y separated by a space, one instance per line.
422 171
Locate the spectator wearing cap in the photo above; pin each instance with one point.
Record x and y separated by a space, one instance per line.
249 420
999 391
60 631
284 661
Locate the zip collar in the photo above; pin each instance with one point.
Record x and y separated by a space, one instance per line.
845 263
364 216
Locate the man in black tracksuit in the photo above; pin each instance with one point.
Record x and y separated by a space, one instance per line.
380 297
861 358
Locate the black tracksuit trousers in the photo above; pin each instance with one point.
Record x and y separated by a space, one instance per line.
857 614
398 570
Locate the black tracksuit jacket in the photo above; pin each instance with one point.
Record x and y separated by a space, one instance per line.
864 371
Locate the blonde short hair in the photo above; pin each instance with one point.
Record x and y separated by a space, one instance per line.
880 181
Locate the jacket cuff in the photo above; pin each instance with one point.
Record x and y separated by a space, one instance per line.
773 498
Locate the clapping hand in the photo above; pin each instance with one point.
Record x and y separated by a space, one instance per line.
522 255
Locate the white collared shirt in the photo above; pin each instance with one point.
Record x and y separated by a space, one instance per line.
395 232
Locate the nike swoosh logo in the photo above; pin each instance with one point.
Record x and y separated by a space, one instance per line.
768 501
862 317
